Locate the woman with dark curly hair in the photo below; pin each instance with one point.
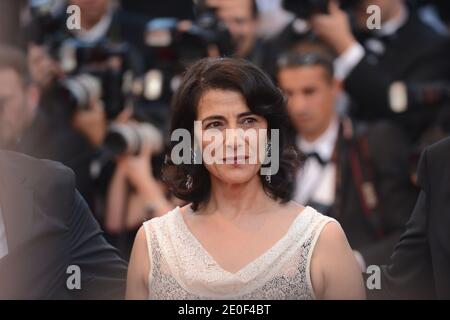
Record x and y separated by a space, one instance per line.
240 236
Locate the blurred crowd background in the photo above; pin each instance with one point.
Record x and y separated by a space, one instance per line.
364 102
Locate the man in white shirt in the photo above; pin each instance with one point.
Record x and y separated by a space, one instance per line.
371 63
367 191
312 92
96 19
394 15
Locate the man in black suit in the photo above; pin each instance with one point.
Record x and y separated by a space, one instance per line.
46 229
404 48
359 177
51 247
420 264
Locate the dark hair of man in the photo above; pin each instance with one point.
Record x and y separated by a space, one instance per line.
308 53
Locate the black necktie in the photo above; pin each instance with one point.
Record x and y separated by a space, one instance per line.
317 157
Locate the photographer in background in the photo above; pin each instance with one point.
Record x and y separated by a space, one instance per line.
26 126
108 46
81 74
242 20
65 132
43 68
102 19
405 49
135 192
102 22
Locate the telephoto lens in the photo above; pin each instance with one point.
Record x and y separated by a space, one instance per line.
131 138
83 89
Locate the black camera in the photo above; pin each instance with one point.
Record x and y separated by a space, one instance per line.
107 62
130 138
188 41
174 44
71 94
304 9
45 27
80 90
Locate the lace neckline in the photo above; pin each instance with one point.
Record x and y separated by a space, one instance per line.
293 229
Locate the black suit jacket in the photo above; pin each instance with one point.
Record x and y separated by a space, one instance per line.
388 161
49 228
415 54
420 264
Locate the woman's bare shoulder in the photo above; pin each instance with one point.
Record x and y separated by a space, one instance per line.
333 235
141 244
334 271
331 244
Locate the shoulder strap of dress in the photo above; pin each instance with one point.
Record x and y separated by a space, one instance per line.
319 223
157 233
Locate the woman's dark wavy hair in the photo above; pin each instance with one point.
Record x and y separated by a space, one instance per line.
262 97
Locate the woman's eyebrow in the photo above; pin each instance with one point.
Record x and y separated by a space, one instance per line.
213 117
219 117
245 114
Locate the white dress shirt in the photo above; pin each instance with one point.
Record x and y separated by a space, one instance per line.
272 18
98 31
3 242
314 181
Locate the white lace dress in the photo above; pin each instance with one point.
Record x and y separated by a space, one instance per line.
180 268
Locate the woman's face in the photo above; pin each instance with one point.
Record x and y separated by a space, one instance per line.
233 139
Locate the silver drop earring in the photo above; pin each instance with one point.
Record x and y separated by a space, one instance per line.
268 154
193 156
269 149
189 182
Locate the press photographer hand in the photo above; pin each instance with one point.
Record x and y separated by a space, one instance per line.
43 68
91 123
138 168
333 28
